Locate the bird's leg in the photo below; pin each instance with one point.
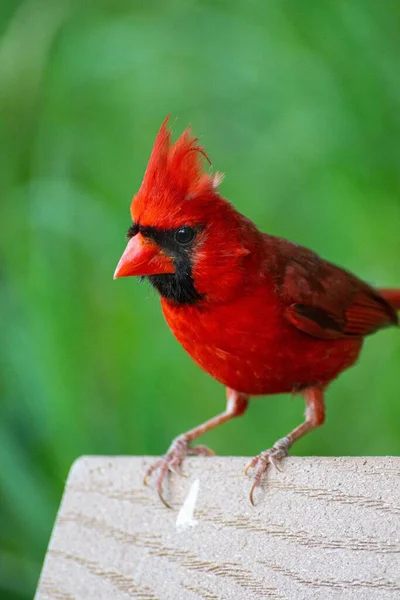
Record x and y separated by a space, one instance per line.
235 406
315 416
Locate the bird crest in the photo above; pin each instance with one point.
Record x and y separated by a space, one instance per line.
175 175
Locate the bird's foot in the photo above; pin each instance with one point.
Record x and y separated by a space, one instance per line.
172 462
262 461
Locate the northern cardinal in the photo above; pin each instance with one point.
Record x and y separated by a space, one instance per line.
258 313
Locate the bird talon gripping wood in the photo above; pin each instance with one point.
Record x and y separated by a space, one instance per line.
258 313
261 463
172 462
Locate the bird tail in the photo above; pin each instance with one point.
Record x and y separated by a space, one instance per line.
391 296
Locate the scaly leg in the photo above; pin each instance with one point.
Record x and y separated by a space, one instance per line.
235 406
315 416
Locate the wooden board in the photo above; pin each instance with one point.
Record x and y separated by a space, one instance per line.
323 528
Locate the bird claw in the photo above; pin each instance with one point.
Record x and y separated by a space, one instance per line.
172 462
261 463
200 451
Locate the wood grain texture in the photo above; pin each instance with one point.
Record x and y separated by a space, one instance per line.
323 528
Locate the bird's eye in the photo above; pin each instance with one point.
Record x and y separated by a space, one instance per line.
132 231
185 235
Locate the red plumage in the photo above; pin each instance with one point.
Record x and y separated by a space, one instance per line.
391 296
256 312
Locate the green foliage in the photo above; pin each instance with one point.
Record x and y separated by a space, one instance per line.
297 102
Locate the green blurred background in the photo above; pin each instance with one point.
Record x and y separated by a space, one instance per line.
298 102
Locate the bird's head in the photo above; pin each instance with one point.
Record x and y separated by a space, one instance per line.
185 238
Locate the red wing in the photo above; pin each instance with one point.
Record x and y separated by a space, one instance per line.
327 302
314 321
359 319
368 313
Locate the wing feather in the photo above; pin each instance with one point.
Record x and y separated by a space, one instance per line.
326 301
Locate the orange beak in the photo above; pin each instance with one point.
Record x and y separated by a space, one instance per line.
143 257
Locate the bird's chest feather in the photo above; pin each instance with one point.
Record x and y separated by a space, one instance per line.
249 346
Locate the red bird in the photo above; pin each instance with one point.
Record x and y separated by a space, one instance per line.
258 313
